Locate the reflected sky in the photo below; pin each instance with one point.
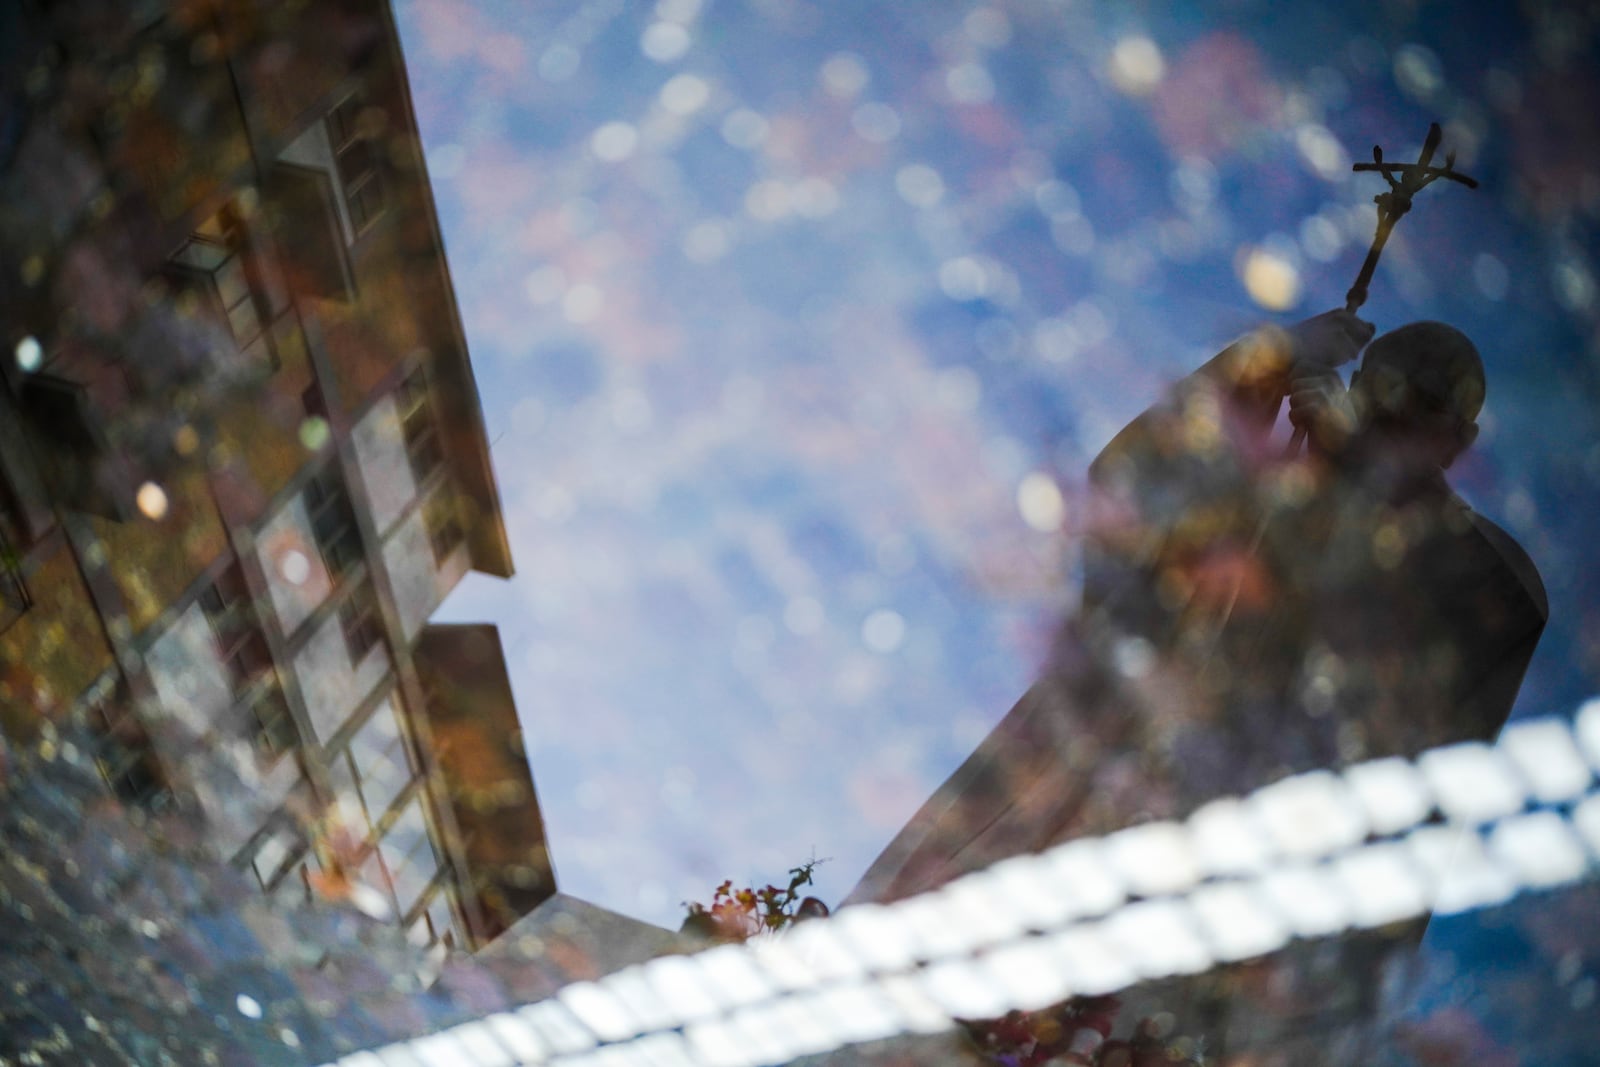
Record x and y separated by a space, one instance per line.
797 323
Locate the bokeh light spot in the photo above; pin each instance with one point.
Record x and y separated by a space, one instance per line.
1057 200
248 1006
294 566
151 501
844 75
313 433
883 631
919 185
559 63
1417 71
582 303
1194 183
963 278
665 42
1137 66
1322 151
30 354
1575 286
1320 238
969 83
1270 278
1039 500
744 128
814 198
614 142
1490 275
685 94
768 200
876 122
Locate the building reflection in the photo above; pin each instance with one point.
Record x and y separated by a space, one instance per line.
243 460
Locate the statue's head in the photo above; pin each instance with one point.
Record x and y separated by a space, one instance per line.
1418 392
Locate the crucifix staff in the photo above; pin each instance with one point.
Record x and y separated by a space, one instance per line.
1405 181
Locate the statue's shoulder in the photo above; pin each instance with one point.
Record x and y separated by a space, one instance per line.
1513 555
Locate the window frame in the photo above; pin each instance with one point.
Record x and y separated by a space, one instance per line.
360 776
123 753
214 252
361 186
273 725
333 521
236 628
419 426
445 532
426 845
361 625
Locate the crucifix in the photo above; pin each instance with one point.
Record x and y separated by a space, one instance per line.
1405 181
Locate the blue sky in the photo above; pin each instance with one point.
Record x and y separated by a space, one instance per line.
796 324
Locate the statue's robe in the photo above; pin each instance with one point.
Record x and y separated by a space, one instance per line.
1246 616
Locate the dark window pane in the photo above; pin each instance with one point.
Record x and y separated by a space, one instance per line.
358 619
357 162
417 422
333 522
275 729
240 642
365 205
444 528
233 286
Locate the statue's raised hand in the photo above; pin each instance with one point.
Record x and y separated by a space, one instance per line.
1328 340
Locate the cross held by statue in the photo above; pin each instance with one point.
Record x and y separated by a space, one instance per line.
1405 181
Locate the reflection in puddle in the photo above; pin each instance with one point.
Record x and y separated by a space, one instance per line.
794 328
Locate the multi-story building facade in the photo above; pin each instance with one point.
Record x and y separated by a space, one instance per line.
242 458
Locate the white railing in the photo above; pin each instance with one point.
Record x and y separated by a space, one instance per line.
1461 827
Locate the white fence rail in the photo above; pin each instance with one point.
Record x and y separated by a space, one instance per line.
1462 827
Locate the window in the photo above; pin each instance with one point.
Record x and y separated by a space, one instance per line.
356 156
240 643
216 264
275 730
333 521
311 239
377 764
409 856
436 923
358 618
444 527
294 887
242 648
376 876
124 754
276 862
419 426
